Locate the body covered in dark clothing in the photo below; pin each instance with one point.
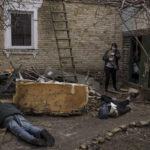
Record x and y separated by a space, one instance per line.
12 119
113 108
6 110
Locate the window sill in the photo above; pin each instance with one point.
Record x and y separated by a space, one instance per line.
9 52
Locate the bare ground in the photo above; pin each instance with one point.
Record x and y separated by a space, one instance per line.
71 132
132 139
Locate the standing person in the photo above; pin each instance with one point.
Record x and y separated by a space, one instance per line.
111 58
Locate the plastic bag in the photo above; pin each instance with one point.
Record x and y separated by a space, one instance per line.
135 68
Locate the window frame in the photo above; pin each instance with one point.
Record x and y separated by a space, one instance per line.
34 35
29 6
32 31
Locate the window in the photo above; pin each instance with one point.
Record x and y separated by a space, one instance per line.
21 35
21 29
22 32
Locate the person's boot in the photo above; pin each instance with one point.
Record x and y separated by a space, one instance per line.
38 142
47 137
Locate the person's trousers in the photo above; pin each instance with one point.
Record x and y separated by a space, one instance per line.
110 72
20 127
122 107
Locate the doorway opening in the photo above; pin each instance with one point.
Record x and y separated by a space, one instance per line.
138 72
135 58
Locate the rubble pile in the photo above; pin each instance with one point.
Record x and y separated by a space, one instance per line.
94 101
51 74
54 76
7 78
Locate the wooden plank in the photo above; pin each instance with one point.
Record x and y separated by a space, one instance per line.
124 90
116 92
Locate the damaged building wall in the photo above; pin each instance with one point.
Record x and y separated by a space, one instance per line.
91 37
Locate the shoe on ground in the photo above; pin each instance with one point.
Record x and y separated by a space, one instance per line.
39 142
47 137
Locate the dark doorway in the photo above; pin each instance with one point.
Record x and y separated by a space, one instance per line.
135 57
144 63
138 72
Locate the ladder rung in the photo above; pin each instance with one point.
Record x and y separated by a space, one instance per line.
63 39
61 29
58 12
66 57
60 21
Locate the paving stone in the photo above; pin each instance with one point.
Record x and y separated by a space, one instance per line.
101 139
142 123
109 134
115 130
124 127
95 141
84 146
132 124
107 137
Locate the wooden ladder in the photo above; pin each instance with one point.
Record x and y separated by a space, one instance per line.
61 27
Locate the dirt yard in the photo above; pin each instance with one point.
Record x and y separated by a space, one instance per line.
133 139
71 132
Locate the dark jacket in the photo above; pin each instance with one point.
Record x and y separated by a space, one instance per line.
113 108
6 110
117 57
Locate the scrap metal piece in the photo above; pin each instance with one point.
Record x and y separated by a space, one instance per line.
13 76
